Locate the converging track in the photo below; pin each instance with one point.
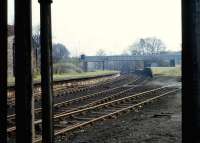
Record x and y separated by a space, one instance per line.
104 100
63 99
70 121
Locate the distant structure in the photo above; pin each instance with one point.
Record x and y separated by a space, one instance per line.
131 63
11 51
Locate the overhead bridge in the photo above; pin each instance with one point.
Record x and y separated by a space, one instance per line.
147 60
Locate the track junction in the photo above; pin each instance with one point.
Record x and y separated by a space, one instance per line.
78 105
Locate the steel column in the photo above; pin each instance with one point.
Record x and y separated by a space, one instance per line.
46 70
85 66
103 65
191 70
3 70
23 77
172 63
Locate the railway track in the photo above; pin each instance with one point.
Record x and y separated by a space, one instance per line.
62 94
70 121
87 100
64 86
65 89
110 104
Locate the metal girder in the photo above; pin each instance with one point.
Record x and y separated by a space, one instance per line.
131 58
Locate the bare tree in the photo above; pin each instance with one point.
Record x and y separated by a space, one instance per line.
101 52
36 46
60 53
36 36
147 46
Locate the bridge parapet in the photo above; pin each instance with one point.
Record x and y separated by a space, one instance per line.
176 57
126 61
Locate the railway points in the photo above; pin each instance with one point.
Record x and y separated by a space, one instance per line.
110 97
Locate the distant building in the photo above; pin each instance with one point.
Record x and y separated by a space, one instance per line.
11 51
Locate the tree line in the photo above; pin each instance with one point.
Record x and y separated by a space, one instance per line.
62 62
147 46
143 46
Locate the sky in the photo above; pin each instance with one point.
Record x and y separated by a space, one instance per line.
85 26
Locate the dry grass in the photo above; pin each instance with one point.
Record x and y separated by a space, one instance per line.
71 75
166 71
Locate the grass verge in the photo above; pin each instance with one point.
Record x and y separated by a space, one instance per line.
166 71
72 75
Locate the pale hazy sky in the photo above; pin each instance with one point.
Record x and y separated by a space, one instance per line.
84 26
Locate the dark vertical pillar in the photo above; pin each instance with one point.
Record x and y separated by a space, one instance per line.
103 65
134 66
172 63
85 66
46 70
3 70
191 70
23 77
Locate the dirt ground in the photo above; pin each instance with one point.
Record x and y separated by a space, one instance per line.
158 122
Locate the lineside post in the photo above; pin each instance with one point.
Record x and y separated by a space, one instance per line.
3 70
23 72
46 70
191 71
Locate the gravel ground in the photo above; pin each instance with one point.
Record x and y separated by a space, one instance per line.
157 122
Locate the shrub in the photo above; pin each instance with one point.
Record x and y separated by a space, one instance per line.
60 68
